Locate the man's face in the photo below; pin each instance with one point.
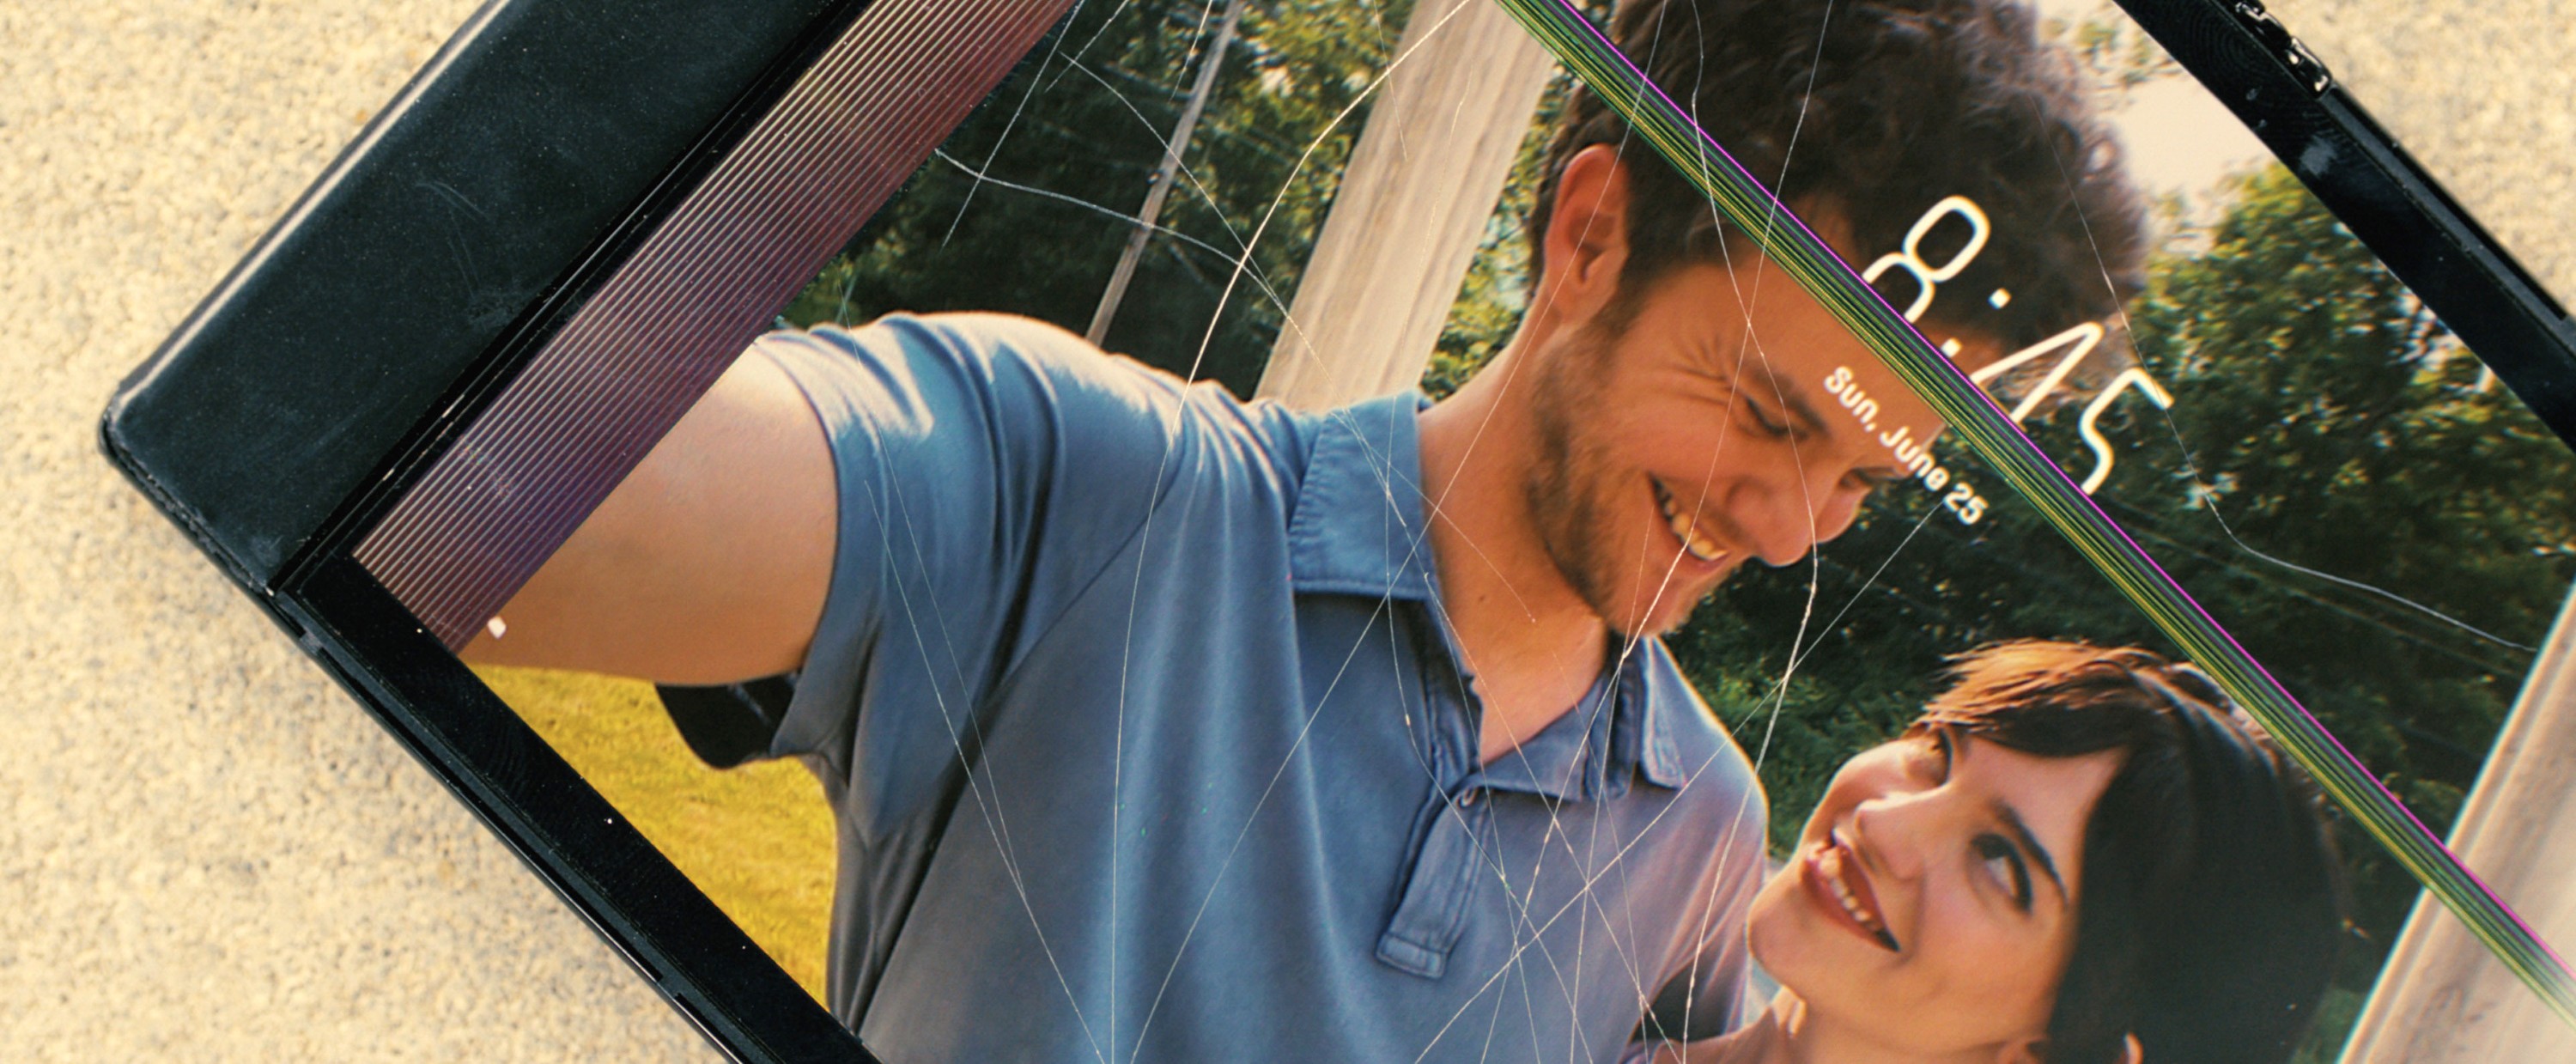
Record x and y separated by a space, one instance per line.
1731 420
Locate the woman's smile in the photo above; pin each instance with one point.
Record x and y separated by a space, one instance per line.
1839 885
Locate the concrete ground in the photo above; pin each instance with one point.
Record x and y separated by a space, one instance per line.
207 851
2483 94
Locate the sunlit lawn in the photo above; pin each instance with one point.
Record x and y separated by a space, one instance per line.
756 839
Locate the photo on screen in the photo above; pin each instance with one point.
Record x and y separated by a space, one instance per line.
1290 535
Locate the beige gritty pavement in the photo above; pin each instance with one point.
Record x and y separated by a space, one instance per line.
207 851
2482 93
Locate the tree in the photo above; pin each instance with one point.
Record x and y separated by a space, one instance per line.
1028 203
2324 423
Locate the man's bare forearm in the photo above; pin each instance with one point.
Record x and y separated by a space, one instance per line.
708 564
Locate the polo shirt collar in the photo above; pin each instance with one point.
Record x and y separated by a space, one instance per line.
1622 727
1359 528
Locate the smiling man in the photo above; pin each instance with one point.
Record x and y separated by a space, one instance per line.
1161 726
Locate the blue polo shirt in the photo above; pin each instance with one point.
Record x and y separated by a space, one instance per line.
1148 741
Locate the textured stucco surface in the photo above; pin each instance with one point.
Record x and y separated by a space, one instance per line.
2483 94
206 850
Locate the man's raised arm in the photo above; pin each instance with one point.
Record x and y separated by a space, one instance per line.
708 564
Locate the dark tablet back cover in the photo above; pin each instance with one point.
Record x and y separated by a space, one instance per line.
517 148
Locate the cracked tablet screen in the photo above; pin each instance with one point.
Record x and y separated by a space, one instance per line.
1293 535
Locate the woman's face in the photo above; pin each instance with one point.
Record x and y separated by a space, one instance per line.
1930 906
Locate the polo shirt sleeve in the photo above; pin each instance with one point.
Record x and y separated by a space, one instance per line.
989 468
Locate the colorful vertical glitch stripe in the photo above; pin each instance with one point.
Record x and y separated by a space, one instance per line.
709 278
2002 445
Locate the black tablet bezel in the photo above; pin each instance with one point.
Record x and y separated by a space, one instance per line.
2379 192
279 519
271 362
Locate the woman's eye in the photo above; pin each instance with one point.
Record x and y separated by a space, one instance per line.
2002 860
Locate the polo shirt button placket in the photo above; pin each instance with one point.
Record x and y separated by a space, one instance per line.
1432 914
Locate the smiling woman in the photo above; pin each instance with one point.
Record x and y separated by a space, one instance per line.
2075 855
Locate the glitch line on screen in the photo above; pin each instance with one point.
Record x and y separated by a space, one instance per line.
2003 446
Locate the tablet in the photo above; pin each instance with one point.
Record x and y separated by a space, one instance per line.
1346 530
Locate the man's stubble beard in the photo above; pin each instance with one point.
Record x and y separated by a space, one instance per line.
1570 491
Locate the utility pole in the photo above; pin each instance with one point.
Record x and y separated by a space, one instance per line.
1162 186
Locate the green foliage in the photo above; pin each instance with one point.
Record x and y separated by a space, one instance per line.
2113 52
2331 422
1070 143
2335 426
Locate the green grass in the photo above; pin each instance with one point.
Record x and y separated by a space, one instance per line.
756 839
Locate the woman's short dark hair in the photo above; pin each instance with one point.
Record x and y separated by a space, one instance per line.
1878 110
2209 911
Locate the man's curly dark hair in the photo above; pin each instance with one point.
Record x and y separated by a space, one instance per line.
1875 111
